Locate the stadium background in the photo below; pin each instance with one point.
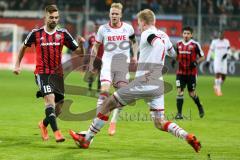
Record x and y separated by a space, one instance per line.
136 137
206 17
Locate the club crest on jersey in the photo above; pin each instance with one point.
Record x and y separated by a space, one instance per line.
190 47
58 36
124 30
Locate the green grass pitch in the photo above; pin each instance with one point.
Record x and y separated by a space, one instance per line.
136 137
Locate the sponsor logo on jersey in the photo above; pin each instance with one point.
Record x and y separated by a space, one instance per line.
51 44
184 52
117 38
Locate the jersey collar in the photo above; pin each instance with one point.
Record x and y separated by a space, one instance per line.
109 23
50 33
186 43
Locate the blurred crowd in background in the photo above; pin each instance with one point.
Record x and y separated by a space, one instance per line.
231 7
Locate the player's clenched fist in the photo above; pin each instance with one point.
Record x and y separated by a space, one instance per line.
16 70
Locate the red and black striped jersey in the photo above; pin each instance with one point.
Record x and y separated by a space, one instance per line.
188 52
49 49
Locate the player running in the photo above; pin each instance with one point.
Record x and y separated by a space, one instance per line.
97 62
154 45
221 48
117 37
189 55
49 41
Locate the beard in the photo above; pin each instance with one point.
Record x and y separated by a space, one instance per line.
52 25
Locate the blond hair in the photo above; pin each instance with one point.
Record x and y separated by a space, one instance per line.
147 16
117 5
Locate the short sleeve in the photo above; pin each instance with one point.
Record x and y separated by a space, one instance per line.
69 41
131 30
99 36
199 49
30 39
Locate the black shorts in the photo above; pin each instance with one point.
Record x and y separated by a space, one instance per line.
50 83
183 80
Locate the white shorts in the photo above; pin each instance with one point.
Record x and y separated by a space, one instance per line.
152 94
114 69
220 66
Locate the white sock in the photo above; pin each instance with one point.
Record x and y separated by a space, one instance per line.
96 126
218 82
175 130
115 115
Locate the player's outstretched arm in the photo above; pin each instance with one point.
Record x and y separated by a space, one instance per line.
16 69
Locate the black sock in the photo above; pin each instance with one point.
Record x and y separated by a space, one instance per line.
99 85
89 86
197 101
45 122
51 117
179 103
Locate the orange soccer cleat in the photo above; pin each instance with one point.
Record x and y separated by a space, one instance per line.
217 91
58 136
79 140
192 140
112 128
44 132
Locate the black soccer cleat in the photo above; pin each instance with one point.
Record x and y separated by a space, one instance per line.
201 111
178 116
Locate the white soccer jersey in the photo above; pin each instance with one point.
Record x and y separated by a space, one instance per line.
219 48
148 85
147 52
116 41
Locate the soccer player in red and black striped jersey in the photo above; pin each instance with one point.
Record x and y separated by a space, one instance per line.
189 55
49 41
97 62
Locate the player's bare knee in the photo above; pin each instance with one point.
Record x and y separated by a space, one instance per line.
180 92
105 88
120 84
192 93
49 99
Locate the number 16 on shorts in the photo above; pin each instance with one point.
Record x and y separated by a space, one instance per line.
47 89
178 84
